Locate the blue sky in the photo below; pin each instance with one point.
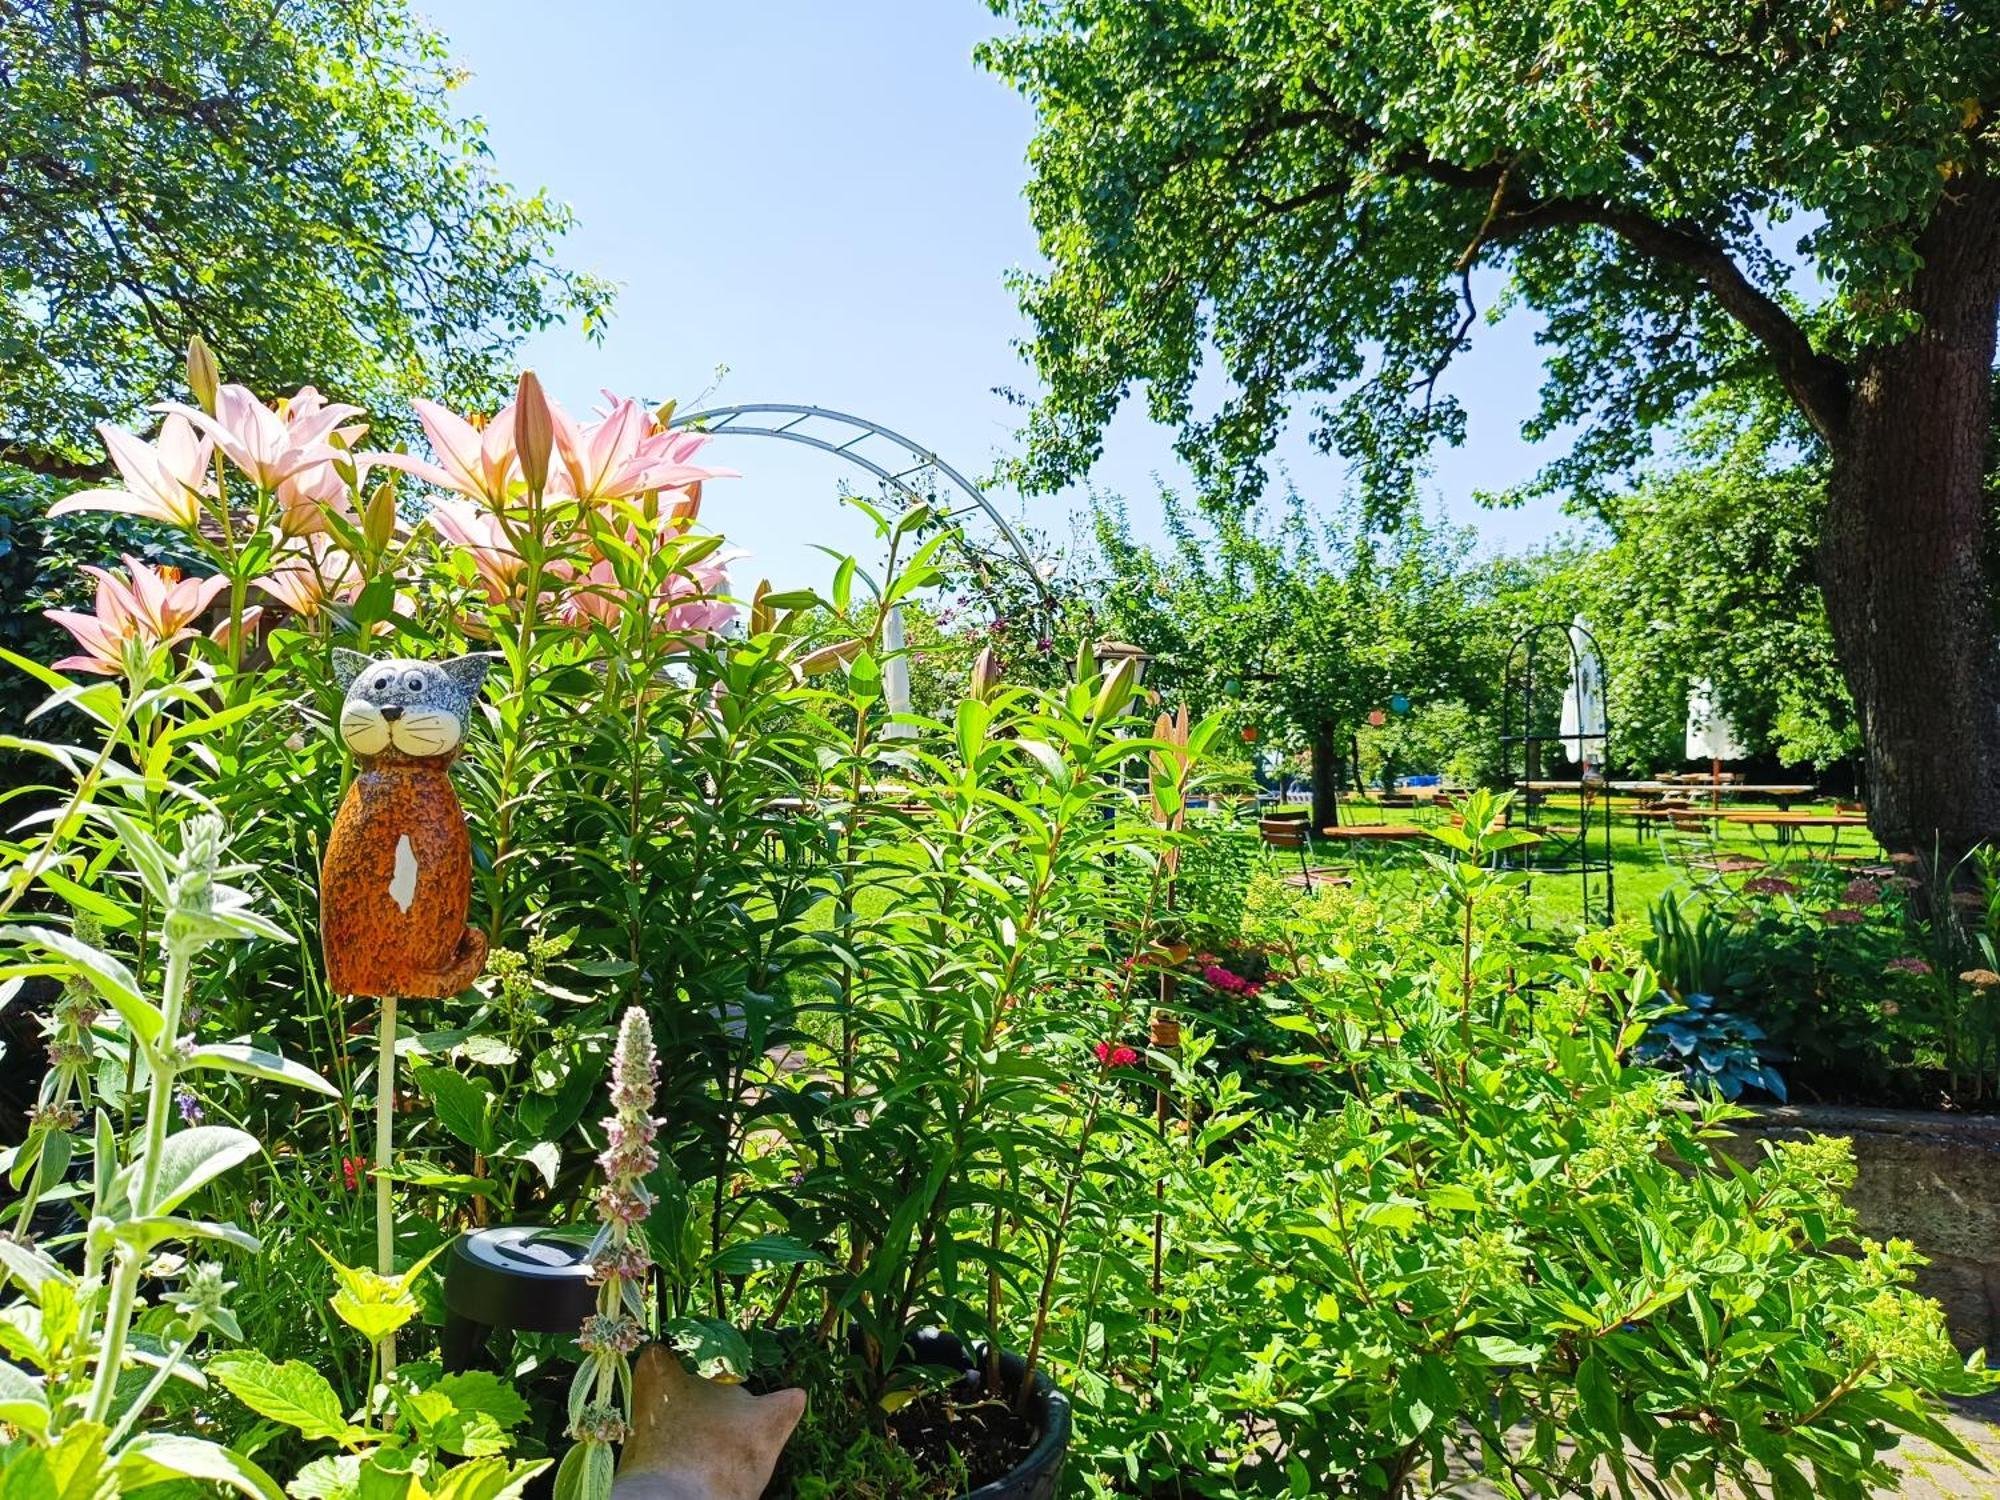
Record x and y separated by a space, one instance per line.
825 199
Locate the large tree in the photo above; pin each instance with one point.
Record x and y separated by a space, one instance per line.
284 177
1313 194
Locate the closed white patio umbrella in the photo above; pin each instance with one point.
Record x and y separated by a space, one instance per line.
1582 727
1710 735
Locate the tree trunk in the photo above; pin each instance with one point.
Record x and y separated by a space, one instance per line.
1902 555
1325 778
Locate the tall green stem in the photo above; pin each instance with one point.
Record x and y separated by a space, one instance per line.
128 1259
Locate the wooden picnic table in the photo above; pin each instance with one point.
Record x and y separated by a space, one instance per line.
1375 831
1779 819
1769 789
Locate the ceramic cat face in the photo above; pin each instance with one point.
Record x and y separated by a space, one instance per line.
415 708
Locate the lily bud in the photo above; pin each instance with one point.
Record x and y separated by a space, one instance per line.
985 675
762 616
202 376
813 663
378 522
534 431
1116 692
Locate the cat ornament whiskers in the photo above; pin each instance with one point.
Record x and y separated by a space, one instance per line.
397 878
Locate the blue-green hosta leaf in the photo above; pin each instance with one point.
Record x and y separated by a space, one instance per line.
152 1457
257 1062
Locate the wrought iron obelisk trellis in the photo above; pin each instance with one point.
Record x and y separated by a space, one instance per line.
1534 737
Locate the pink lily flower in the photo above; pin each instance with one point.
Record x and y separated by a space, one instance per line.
164 480
307 497
311 572
479 465
691 603
224 634
269 446
620 454
592 597
479 533
149 605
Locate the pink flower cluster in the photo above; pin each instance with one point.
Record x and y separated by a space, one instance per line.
1230 983
637 478
1861 891
1770 885
148 606
619 1258
1906 965
628 1155
1116 1055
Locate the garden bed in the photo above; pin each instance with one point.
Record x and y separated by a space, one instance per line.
1930 1178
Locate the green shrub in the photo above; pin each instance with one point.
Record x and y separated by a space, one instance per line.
1495 1244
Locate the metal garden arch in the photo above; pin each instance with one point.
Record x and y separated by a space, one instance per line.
892 458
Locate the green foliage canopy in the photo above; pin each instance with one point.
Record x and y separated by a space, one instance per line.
288 181
1318 622
1305 192
1709 575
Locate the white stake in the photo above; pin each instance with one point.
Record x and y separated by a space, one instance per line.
385 1126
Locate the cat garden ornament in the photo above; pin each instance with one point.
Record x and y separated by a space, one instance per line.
397 878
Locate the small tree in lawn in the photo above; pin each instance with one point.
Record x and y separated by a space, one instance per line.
1316 624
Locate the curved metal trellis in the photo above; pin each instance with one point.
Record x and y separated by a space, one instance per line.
881 451
1584 850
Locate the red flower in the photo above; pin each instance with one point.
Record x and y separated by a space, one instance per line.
1116 1055
353 1169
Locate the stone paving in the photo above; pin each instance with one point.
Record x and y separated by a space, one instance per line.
1928 1473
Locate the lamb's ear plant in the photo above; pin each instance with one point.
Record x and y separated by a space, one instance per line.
621 1262
77 1327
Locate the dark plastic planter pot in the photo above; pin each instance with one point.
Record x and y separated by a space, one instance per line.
1038 1476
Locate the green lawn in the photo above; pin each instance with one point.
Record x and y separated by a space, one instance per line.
1646 860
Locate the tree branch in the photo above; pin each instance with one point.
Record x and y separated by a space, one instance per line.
50 463
1817 382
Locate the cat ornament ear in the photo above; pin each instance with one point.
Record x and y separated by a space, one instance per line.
696 1439
396 882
